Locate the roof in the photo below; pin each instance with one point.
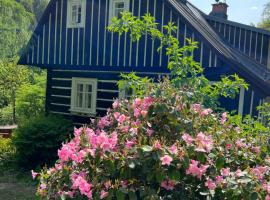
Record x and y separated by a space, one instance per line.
239 62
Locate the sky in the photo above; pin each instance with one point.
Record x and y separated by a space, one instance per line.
242 11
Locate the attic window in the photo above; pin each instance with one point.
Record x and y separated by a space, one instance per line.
76 13
117 7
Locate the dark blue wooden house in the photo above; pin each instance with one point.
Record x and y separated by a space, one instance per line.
84 60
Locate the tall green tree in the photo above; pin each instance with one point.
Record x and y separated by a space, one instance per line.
265 23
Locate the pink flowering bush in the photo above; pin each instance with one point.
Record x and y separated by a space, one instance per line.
165 143
159 147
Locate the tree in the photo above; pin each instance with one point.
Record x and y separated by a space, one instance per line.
12 77
15 25
265 23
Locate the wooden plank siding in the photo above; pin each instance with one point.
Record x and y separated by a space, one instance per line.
55 45
253 44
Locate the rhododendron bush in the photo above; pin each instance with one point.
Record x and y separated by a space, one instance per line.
157 147
166 142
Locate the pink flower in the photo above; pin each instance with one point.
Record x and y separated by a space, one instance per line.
256 150
137 112
266 187
238 173
121 119
196 108
219 180
204 143
103 194
42 186
228 146
267 197
144 113
84 187
239 143
166 160
173 149
116 104
225 172
149 132
130 144
223 118
34 174
157 145
137 102
187 138
196 171
103 122
168 184
210 184
116 115
206 112
259 172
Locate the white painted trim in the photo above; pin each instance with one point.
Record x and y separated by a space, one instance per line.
61 88
82 3
153 41
98 30
241 101
210 59
256 46
137 49
78 46
240 38
91 38
201 56
230 29
33 49
251 103
105 33
66 46
72 46
62 79
107 91
107 100
49 39
215 65
219 27
224 31
43 44
55 31
245 41
262 49
60 104
250 44
61 29
234 37
118 49
162 24
84 82
107 81
38 49
146 37
60 96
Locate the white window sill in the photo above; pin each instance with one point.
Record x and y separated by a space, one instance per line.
82 113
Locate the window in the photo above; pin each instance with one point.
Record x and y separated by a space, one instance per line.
76 13
117 7
84 95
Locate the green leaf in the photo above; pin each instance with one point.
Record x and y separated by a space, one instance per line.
220 163
132 196
120 195
147 148
254 196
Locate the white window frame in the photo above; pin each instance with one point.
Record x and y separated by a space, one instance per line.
83 109
112 12
70 4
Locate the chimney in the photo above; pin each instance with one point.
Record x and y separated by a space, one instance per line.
220 10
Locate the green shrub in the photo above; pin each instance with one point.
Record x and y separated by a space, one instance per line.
7 151
6 115
37 139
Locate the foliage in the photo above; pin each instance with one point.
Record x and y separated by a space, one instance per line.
186 74
164 144
37 139
12 77
265 112
265 23
7 151
30 99
6 117
181 151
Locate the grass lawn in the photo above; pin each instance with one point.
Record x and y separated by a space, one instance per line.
16 186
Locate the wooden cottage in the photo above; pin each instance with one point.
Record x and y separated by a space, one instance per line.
84 60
